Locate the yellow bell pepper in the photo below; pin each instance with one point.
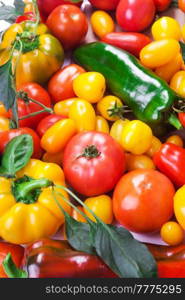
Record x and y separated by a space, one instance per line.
28 210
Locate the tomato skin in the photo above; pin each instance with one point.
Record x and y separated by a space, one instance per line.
85 174
60 85
181 5
8 135
135 15
102 23
162 5
69 24
47 122
139 204
181 117
105 4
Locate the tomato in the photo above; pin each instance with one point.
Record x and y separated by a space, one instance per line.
93 163
102 23
5 123
134 162
3 111
60 85
143 200
26 106
135 15
117 130
77 216
69 24
177 83
155 146
172 233
105 4
182 118
181 5
102 125
47 122
8 135
62 108
175 139
162 5
166 28
110 107
28 16
56 158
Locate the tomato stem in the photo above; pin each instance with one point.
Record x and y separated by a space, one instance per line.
90 152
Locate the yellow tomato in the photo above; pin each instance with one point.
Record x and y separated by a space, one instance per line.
177 83
175 139
89 86
110 107
3 111
167 71
183 32
172 233
155 146
102 124
4 123
159 53
102 23
117 130
134 162
136 137
101 206
56 158
77 216
83 114
166 28
179 206
62 108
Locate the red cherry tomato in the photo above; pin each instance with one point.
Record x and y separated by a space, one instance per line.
143 200
135 15
105 4
93 163
162 5
60 85
69 24
182 118
47 122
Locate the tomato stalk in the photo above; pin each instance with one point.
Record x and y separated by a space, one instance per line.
90 152
118 110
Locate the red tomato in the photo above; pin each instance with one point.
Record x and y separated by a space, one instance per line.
105 4
27 16
93 163
60 85
181 4
17 253
135 15
7 136
26 107
47 122
69 24
182 118
143 200
162 5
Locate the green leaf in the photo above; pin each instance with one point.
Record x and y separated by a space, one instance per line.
7 92
11 269
182 45
17 154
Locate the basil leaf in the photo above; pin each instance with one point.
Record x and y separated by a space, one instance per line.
11 269
7 92
17 154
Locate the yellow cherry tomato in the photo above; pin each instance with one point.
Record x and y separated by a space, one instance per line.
56 158
102 23
177 83
159 53
102 124
117 130
175 139
134 162
183 32
77 216
57 136
172 233
62 108
101 206
3 111
110 107
137 137
90 86
179 206
166 28
83 114
167 71
155 146
4 123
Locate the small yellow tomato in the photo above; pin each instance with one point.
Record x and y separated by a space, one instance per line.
167 71
62 108
172 233
77 216
175 139
183 32
101 206
4 123
155 146
102 124
134 162
159 53
3 111
117 130
166 28
56 158
177 83
83 114
102 23
111 108
90 86
137 137
179 206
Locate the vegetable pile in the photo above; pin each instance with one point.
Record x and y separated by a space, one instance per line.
92 150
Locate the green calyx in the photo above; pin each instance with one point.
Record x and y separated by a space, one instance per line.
26 42
90 152
27 190
118 111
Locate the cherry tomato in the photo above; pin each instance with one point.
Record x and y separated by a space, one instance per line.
3 111
56 158
135 15
102 23
60 85
117 130
162 5
102 125
93 163
62 108
181 5
182 118
47 122
134 162
177 83
69 24
143 200
77 216
110 107
4 123
166 28
105 4
155 146
172 233
175 139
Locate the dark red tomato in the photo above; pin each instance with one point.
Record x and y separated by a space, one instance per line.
143 200
132 42
105 4
26 107
7 136
60 85
162 5
29 16
182 118
47 122
93 163
69 24
135 15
